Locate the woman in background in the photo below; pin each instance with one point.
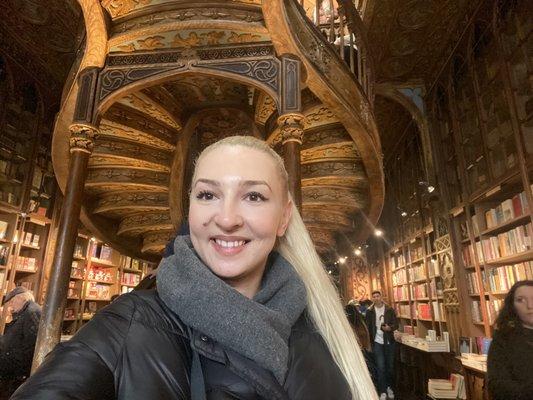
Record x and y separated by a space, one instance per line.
511 352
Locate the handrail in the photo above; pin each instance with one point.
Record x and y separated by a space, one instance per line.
341 25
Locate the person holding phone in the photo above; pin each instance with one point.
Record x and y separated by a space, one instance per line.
381 322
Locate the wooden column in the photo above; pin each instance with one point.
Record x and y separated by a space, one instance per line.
292 131
81 145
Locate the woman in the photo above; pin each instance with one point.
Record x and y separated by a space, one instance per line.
231 317
358 324
511 351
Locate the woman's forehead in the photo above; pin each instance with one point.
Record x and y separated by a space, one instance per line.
236 161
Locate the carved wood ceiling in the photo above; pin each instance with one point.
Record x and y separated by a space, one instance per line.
411 38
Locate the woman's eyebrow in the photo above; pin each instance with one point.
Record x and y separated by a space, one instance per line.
254 183
207 181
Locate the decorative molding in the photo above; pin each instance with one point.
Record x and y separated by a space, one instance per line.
313 170
230 52
82 137
265 107
132 151
290 85
126 177
127 202
146 105
113 79
115 130
355 197
137 224
96 33
155 242
336 181
83 112
265 71
291 128
341 151
189 14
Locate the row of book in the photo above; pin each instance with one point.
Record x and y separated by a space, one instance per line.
3 229
493 308
98 291
31 239
102 252
101 274
423 311
73 290
433 268
400 293
514 241
4 254
77 270
399 261
399 277
419 291
417 272
507 210
132 263
500 279
404 310
26 264
130 279
453 388
416 253
436 287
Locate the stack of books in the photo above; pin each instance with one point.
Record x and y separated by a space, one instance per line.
453 388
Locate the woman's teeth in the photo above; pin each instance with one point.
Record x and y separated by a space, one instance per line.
223 243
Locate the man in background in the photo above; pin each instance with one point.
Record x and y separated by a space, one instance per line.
381 322
17 344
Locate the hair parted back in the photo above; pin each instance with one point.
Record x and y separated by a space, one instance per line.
323 302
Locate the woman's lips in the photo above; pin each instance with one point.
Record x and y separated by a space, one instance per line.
228 247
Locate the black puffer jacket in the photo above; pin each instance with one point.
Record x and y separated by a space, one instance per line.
137 349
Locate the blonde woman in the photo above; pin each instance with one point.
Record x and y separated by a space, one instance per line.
243 308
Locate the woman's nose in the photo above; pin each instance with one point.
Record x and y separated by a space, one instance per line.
228 216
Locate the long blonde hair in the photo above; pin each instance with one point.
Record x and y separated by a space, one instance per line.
323 302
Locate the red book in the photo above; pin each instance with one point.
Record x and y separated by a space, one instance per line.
517 206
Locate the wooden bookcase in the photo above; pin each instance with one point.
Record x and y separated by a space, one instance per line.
98 273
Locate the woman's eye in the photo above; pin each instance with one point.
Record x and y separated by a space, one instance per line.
205 195
255 197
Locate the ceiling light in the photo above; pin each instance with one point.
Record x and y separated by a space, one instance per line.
431 189
357 252
378 232
404 214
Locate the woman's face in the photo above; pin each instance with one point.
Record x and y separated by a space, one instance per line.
238 207
523 304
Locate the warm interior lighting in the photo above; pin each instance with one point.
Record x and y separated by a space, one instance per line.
378 232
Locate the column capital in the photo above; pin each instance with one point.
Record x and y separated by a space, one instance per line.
82 137
291 127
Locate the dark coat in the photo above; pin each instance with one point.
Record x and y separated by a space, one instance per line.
389 318
17 346
509 365
138 349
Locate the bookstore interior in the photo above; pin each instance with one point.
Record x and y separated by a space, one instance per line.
406 129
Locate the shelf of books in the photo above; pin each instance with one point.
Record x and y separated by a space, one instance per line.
98 273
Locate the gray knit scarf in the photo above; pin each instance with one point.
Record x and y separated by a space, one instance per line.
257 328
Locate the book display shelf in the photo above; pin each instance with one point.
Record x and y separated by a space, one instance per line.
98 272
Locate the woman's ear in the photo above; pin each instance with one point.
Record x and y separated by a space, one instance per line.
285 218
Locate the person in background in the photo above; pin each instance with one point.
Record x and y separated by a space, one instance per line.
18 342
358 324
381 322
511 351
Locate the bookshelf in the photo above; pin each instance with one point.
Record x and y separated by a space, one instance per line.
98 273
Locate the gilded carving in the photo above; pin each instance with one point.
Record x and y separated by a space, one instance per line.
155 242
119 8
235 37
291 128
355 197
151 43
126 175
343 180
112 129
319 116
82 138
343 151
313 170
96 31
145 104
127 201
264 108
130 150
189 14
326 217
111 160
136 224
